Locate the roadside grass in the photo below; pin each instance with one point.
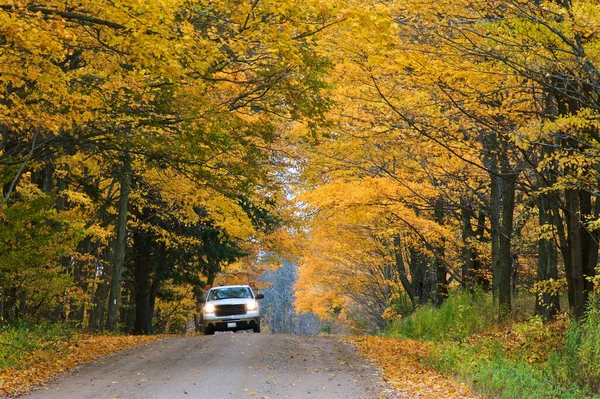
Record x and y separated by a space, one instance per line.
33 354
518 359
20 341
460 316
402 363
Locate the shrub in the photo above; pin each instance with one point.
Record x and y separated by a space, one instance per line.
529 359
589 349
500 377
580 359
462 314
19 341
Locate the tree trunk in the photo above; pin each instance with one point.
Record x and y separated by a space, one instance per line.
576 245
12 304
418 274
402 272
468 275
495 209
77 308
505 270
97 312
583 245
483 279
2 316
159 274
143 316
547 304
589 240
130 319
441 272
22 304
564 246
120 244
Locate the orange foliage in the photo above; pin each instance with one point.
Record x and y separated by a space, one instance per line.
400 361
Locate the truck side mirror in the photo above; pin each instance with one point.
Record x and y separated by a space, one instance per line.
259 296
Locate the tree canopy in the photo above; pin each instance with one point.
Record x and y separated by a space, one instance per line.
393 149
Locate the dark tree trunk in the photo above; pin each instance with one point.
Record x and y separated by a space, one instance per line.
12 304
441 272
77 308
143 316
564 246
130 317
2 301
547 303
506 260
22 304
97 312
468 270
482 276
495 209
210 279
402 272
583 246
120 244
418 274
576 245
160 271
589 239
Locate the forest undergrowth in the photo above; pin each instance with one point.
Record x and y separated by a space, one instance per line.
516 359
32 354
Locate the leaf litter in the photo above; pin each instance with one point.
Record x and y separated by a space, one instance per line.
42 366
400 361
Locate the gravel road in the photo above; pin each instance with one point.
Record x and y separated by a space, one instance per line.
226 365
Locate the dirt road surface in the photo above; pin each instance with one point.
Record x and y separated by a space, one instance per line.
226 365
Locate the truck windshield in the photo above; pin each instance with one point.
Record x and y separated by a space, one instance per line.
229 293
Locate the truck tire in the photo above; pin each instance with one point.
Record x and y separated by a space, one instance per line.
256 328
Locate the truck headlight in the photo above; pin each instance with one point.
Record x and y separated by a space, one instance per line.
252 305
209 308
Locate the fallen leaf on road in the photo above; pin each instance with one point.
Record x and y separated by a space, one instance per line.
399 359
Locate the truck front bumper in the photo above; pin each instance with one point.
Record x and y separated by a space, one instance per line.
231 323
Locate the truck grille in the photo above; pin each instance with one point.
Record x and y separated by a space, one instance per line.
230 310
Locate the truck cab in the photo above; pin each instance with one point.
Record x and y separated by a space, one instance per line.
230 308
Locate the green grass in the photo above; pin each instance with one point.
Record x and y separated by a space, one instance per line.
18 342
501 377
579 360
462 314
520 360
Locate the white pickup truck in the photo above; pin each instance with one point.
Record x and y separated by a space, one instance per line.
230 308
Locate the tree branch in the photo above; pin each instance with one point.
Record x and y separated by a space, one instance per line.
19 173
66 15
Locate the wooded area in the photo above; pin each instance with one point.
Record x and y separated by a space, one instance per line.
141 150
462 151
395 149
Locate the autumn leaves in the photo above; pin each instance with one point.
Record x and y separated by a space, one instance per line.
462 144
152 132
436 143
